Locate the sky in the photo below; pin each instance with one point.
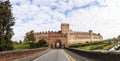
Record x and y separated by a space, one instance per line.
101 16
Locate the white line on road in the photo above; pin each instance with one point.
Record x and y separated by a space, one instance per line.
37 59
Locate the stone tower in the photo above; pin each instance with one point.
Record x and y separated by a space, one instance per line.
65 28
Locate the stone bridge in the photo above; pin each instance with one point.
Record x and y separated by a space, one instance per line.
45 54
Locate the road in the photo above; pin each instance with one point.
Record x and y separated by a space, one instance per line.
53 55
56 55
78 57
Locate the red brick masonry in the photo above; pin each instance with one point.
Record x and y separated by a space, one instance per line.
9 55
65 36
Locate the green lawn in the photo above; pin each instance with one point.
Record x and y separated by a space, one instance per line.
102 45
21 46
26 46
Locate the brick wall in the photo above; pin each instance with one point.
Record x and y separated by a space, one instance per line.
9 55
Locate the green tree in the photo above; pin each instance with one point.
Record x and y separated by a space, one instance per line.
6 23
42 43
29 39
20 42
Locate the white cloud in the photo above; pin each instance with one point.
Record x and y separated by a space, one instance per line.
81 2
102 16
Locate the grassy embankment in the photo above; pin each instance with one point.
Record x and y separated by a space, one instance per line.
101 45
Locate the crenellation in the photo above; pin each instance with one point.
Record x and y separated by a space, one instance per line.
42 32
64 24
55 31
48 31
98 33
51 31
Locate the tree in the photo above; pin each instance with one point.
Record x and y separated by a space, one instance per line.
20 42
15 42
6 23
41 43
29 39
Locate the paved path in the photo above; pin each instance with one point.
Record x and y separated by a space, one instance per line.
53 55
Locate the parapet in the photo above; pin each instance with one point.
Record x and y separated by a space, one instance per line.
85 33
46 32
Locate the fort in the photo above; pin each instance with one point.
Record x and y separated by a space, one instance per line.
65 36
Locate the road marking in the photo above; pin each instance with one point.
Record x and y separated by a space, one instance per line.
64 53
68 55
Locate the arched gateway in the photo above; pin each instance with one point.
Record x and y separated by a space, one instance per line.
58 41
57 44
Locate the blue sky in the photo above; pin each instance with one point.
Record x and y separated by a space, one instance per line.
101 16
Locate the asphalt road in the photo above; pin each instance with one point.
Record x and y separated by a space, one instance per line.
78 57
53 55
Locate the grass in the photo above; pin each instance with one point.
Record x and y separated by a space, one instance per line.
26 46
21 46
102 45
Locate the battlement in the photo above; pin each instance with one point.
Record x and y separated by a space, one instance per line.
46 32
57 32
85 33
76 32
79 33
65 24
